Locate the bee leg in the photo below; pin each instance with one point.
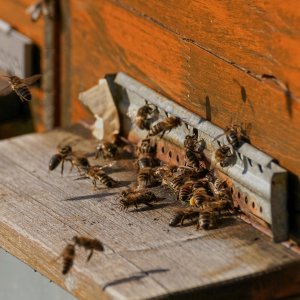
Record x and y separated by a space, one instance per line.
90 255
95 184
182 220
149 204
162 135
62 167
71 167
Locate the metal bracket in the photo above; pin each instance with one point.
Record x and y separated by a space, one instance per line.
257 183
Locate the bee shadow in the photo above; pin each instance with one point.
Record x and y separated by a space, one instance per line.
134 277
90 197
155 206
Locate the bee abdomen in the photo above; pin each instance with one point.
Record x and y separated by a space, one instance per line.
106 180
206 220
233 139
55 161
191 159
24 92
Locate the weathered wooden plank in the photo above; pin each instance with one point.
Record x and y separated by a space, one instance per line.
119 40
144 257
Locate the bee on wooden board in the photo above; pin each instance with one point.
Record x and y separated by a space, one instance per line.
224 156
183 213
165 125
185 191
199 196
134 198
147 161
65 153
146 178
20 86
68 256
207 219
96 174
106 150
88 244
145 116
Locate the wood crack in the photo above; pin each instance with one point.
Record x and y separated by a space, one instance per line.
277 83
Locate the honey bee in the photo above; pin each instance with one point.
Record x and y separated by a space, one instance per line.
64 153
185 191
18 85
165 125
199 196
146 161
191 159
96 173
146 178
224 156
68 256
145 116
176 183
39 8
134 198
80 162
182 214
106 150
147 147
207 219
219 188
165 171
88 244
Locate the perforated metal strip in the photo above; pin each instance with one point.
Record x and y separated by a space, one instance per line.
257 183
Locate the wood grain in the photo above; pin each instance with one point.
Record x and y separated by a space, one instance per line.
119 39
143 257
256 37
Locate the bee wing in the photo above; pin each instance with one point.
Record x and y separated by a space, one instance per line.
5 87
32 79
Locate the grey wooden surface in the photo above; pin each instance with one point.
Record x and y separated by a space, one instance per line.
144 257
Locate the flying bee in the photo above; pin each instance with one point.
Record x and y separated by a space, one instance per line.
165 125
145 116
185 191
146 178
207 219
96 173
68 256
106 150
88 244
18 85
224 156
182 214
37 9
135 198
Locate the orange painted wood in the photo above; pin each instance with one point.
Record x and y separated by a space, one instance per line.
106 38
261 37
14 13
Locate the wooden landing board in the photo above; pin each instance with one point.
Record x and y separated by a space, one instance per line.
144 257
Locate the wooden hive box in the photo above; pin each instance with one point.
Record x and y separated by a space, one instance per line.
223 61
